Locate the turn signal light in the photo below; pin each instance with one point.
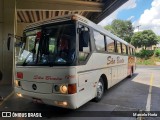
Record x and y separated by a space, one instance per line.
20 75
72 88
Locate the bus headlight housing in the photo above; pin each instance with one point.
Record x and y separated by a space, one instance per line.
17 83
61 88
65 88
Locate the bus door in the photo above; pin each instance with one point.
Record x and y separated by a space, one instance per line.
85 80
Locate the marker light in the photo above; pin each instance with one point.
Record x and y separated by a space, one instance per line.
74 17
20 75
17 83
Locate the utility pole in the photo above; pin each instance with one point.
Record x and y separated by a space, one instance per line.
138 27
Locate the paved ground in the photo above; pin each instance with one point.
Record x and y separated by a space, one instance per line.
141 92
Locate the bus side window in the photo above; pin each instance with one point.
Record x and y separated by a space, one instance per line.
124 49
99 41
131 51
119 47
84 43
110 44
128 50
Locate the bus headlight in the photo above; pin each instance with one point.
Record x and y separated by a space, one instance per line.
61 88
65 88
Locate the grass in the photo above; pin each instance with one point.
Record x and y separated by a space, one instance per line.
150 61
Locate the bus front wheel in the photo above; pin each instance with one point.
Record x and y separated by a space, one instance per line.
100 90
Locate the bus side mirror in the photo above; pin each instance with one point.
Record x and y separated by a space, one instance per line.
20 44
86 38
79 30
8 42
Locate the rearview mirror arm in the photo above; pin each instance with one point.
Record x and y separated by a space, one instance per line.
15 36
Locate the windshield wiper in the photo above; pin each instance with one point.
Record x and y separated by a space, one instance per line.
43 49
24 63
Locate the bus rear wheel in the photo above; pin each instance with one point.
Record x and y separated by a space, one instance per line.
100 90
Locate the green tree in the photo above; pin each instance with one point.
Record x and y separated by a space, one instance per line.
136 39
158 37
109 28
144 39
121 28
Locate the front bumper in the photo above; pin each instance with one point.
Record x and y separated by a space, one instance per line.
50 99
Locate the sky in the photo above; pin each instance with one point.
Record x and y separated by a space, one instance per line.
142 13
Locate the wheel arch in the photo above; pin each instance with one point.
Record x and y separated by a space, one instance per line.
105 80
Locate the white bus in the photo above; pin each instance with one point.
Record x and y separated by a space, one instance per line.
69 60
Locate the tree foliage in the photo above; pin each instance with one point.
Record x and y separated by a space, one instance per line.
144 39
157 52
158 37
145 54
136 39
121 28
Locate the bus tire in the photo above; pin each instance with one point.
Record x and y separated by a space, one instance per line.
100 90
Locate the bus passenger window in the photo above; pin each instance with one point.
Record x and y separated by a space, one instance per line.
124 50
52 43
99 41
110 45
84 43
118 47
131 51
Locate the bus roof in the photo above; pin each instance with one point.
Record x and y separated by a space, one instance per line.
81 19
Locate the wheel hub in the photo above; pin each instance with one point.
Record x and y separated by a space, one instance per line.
99 89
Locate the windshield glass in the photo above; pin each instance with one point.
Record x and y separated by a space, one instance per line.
50 45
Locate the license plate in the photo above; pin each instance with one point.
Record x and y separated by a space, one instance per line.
36 100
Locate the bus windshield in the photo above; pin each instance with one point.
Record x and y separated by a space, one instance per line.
49 45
